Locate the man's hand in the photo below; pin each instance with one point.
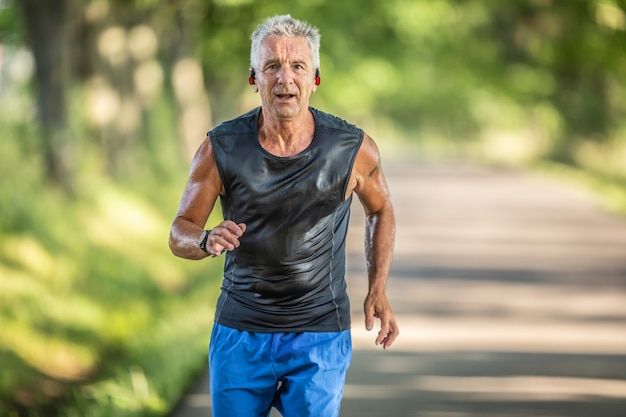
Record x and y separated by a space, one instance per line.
224 236
377 306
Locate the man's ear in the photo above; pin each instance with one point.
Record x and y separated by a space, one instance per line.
317 80
252 80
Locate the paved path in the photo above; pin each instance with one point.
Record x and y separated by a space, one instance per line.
510 292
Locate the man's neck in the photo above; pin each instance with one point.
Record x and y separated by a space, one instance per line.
286 137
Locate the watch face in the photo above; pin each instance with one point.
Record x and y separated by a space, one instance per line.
203 238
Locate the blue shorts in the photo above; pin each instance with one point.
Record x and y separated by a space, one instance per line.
300 374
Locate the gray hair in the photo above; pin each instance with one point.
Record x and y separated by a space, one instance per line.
285 25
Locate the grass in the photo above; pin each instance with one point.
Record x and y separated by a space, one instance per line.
98 318
609 190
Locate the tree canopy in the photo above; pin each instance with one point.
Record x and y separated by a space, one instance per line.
447 68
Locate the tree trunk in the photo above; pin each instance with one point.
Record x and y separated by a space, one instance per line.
48 28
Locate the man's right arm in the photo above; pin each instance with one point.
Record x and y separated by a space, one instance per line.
203 187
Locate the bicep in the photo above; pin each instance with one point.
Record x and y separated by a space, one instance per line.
371 185
203 186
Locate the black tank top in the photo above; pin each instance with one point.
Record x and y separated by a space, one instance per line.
288 275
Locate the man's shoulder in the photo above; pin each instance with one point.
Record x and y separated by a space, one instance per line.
240 125
327 120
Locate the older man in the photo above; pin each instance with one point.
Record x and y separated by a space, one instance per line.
285 174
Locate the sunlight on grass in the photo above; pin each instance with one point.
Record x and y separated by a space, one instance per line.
130 391
29 255
162 359
15 283
33 302
125 212
134 229
49 354
608 190
511 147
106 311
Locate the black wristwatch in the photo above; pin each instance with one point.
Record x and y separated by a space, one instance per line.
204 237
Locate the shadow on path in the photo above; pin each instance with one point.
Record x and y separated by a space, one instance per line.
429 384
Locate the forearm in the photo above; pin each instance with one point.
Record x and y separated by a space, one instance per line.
380 231
184 237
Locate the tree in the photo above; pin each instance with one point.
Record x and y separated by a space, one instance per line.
566 54
48 26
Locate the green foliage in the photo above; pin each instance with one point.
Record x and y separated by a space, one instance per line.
608 189
92 302
10 29
98 317
423 65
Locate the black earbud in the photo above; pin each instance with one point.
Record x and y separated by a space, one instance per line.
317 77
251 77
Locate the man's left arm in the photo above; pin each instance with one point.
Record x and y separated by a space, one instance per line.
380 228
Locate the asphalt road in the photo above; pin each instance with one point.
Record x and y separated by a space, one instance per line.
510 291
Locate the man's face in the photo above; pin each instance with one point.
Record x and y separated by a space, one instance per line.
286 77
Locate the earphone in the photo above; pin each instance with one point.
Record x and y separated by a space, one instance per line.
318 80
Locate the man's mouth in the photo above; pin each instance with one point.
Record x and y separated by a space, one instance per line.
285 96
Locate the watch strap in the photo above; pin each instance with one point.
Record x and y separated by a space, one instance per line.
204 237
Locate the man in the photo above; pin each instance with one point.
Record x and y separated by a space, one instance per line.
285 174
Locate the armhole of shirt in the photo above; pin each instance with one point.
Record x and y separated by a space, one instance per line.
217 163
351 167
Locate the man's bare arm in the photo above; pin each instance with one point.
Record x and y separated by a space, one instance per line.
371 187
198 200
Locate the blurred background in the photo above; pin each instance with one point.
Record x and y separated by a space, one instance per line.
104 102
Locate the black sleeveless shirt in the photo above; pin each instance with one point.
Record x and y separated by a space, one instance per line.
288 274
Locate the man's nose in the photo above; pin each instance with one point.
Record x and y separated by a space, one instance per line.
285 75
